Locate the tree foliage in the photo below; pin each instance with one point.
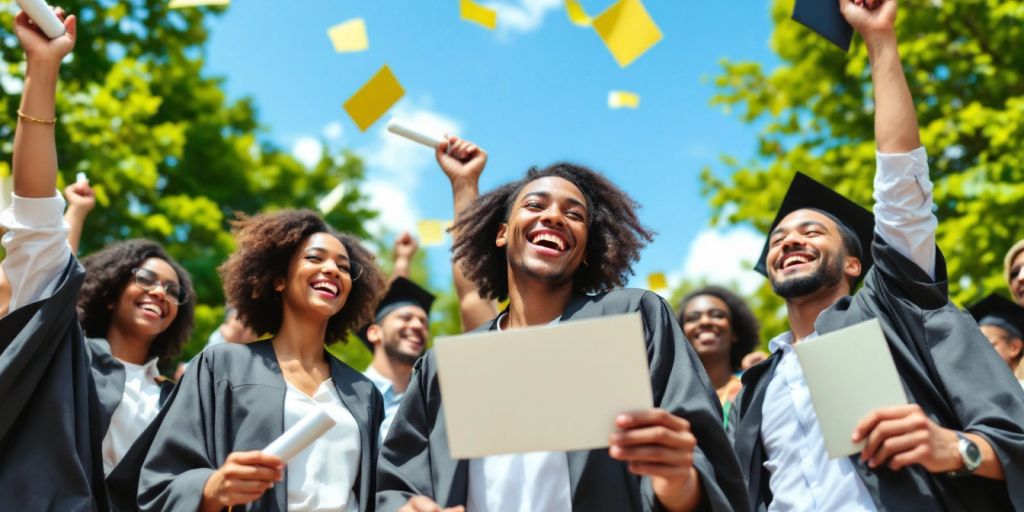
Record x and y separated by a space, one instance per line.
170 157
964 62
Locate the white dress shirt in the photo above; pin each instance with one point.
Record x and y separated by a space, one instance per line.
36 241
391 399
529 482
321 477
139 405
802 476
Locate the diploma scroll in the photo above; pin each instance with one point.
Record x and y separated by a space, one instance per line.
300 436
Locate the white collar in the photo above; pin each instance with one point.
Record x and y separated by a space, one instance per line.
382 383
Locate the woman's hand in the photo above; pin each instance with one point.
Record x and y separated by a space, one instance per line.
243 478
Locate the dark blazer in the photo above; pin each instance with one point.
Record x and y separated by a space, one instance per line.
415 458
946 366
50 438
232 399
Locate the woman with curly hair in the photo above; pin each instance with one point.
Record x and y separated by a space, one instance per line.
722 329
80 347
295 278
559 243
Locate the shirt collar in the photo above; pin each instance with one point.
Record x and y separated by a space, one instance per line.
779 342
383 383
149 368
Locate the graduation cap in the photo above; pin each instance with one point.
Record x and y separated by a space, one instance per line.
1000 312
806 193
825 18
401 293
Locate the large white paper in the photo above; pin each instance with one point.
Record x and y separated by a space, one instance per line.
551 388
849 373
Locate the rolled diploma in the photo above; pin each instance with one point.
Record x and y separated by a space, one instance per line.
81 178
398 128
43 16
301 435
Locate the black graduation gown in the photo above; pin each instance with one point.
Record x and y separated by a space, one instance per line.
946 366
109 378
232 399
50 434
415 458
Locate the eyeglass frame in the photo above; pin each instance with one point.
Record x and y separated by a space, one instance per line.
182 295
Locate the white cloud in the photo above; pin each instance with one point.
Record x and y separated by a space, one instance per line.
307 150
395 167
333 131
523 16
725 257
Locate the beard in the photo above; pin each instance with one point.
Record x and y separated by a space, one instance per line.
826 276
395 353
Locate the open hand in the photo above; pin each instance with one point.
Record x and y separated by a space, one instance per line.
41 49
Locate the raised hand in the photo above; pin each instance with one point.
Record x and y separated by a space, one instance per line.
870 17
463 162
80 197
405 248
41 49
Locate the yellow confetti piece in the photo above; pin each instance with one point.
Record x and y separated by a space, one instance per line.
627 30
476 13
179 4
349 36
623 99
657 281
374 98
431 232
577 15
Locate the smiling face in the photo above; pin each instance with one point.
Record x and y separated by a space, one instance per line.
706 324
319 278
142 313
1017 278
403 334
806 254
546 234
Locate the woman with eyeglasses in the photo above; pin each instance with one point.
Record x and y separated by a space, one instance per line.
79 348
291 276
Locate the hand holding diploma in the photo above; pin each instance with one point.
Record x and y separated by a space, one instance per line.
243 478
461 160
658 444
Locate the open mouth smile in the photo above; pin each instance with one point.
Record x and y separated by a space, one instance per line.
325 288
550 240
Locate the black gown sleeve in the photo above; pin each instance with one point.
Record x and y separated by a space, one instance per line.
681 387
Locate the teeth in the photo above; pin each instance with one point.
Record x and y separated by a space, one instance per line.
152 308
795 259
547 237
328 287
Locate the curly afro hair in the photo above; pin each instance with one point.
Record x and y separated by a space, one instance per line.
741 319
615 235
109 271
266 244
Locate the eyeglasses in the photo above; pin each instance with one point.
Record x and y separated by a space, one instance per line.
148 280
353 269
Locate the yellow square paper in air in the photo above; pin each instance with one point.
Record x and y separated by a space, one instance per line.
432 232
374 98
656 281
577 15
623 99
472 11
178 4
627 30
349 36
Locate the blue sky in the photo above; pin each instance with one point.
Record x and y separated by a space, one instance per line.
532 92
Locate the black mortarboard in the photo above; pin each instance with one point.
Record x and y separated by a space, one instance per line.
824 17
1000 312
805 193
402 292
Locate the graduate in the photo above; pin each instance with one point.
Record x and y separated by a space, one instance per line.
557 243
960 442
1002 322
723 331
294 277
74 405
397 337
1014 268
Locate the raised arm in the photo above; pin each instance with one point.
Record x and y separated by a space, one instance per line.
405 249
81 200
463 166
36 238
902 188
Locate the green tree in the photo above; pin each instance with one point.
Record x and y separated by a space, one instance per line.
170 157
964 63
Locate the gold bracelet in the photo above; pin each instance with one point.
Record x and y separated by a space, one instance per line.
26 117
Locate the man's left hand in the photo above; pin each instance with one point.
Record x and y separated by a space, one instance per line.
904 435
658 444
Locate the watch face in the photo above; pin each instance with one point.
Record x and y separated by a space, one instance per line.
970 453
973 453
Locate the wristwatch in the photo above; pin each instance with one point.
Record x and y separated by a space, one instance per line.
969 453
